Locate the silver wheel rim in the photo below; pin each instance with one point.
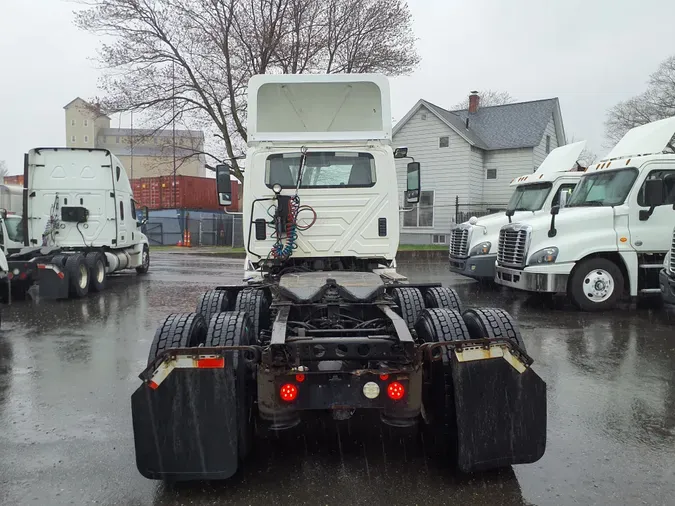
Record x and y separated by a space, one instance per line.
100 271
84 276
598 285
146 259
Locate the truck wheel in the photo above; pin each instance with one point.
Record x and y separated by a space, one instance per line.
439 296
441 325
596 285
182 330
145 261
211 303
491 323
254 302
96 263
78 273
410 303
235 328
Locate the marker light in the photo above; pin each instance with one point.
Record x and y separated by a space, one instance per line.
288 392
395 391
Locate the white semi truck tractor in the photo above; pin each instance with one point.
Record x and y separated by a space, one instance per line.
613 235
327 325
78 224
473 244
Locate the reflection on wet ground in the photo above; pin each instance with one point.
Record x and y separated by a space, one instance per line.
67 370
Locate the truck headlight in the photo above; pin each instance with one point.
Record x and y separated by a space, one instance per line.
544 256
480 249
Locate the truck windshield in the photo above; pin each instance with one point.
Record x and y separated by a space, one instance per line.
14 228
603 188
322 170
529 197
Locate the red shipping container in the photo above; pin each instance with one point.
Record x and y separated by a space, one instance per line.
14 180
190 193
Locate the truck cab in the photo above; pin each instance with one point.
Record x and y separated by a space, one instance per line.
612 236
473 244
325 145
667 275
11 232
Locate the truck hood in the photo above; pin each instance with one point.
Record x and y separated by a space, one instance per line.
579 232
487 227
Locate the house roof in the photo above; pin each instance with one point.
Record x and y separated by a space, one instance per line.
149 132
510 126
89 106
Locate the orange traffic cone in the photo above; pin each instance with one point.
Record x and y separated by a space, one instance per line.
189 240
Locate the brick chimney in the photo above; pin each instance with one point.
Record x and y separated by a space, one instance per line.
474 100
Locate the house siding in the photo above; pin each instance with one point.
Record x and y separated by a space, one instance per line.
444 170
540 151
476 177
509 163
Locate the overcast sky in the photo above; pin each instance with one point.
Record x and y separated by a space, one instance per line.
590 54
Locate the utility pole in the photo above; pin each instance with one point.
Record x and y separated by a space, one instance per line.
173 127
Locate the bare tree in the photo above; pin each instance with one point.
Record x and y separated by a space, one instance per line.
586 158
189 61
4 171
657 102
488 98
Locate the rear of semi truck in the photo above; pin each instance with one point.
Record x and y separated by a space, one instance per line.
79 223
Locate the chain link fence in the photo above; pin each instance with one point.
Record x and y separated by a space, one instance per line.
205 229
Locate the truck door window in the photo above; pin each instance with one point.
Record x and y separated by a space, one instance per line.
133 210
322 170
668 186
563 188
14 228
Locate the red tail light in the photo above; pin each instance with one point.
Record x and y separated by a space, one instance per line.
211 363
384 377
395 391
288 392
299 378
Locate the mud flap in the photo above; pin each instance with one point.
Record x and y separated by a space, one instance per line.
186 429
501 414
51 286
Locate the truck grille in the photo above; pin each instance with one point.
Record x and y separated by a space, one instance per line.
672 255
513 244
459 241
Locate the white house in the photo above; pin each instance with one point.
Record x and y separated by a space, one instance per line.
470 157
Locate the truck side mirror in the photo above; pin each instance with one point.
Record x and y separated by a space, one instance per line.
400 152
223 185
145 214
412 194
563 198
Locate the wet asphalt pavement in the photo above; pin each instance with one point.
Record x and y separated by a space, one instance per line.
67 371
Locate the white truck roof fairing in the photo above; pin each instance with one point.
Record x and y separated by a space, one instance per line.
559 160
311 107
646 139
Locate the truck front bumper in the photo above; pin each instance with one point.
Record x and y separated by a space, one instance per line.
477 267
667 284
530 280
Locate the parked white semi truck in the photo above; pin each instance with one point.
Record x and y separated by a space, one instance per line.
78 224
473 244
328 326
667 275
613 235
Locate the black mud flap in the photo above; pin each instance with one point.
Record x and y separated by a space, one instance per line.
501 414
186 429
51 286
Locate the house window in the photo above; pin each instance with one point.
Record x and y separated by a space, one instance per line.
86 139
423 116
86 122
548 144
443 142
72 122
72 138
422 214
438 239
492 174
